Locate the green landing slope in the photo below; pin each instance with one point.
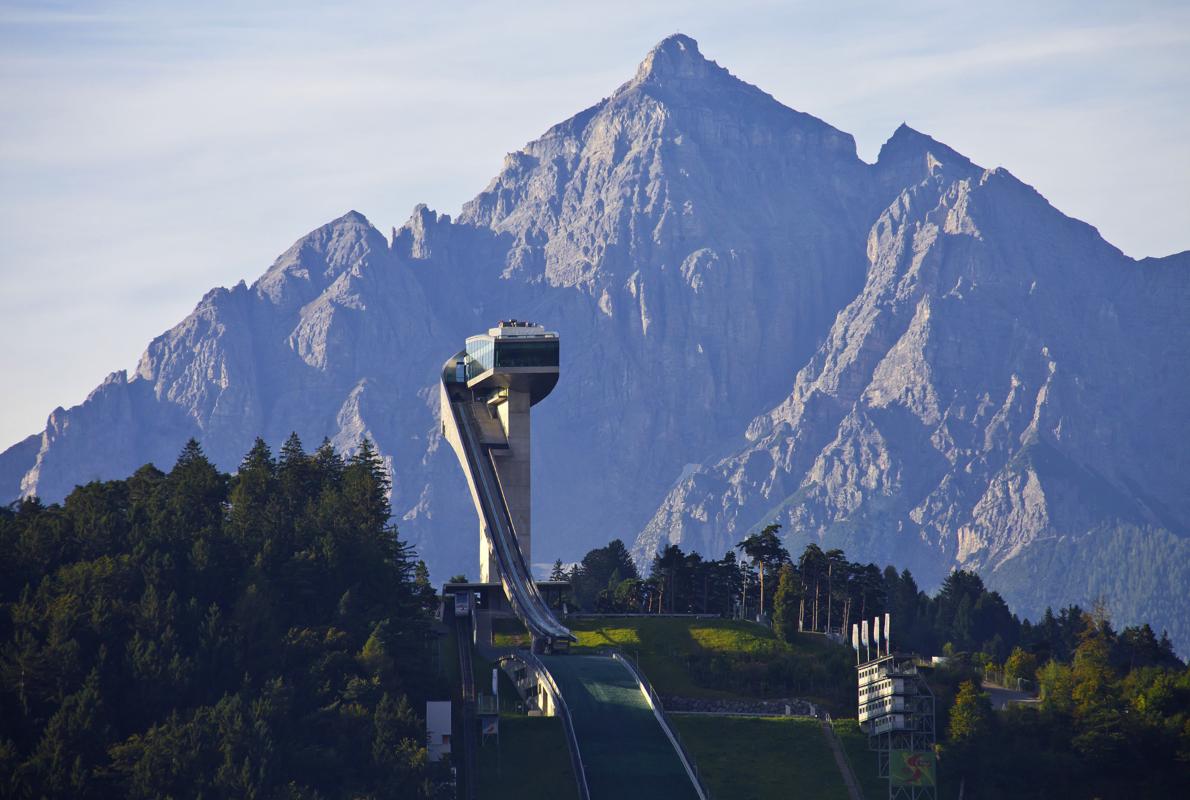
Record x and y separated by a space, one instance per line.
625 751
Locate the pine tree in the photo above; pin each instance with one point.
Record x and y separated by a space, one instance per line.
328 464
785 604
197 491
765 550
811 564
365 488
295 477
423 589
253 489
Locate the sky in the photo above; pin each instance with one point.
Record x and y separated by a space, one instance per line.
152 151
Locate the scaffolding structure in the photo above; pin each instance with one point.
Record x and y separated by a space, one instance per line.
896 710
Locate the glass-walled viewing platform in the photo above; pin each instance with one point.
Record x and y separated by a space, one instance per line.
484 354
511 345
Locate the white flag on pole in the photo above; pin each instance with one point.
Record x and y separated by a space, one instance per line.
876 634
863 635
887 634
855 636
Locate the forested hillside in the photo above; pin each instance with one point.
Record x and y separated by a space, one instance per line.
196 634
1111 712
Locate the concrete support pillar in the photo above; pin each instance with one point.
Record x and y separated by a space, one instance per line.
513 469
513 466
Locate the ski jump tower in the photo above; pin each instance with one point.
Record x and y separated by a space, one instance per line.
488 389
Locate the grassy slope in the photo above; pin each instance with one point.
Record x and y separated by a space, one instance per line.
739 757
863 760
758 758
509 633
662 645
530 761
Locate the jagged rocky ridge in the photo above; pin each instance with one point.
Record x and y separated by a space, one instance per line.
918 359
1003 394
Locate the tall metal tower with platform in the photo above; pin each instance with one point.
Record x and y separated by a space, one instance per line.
896 710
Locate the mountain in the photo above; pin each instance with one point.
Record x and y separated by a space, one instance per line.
1001 395
918 358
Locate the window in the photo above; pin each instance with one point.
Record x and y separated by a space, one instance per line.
479 355
540 353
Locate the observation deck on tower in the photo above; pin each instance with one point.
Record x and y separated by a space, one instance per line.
514 355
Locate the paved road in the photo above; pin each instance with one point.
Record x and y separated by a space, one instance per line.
626 753
1001 696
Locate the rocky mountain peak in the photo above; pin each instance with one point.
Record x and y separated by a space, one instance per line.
414 240
677 75
676 57
314 261
660 171
910 156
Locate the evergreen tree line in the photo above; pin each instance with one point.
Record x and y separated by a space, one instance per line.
191 633
1113 720
606 581
826 588
824 592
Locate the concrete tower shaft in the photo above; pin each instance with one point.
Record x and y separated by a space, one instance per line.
512 466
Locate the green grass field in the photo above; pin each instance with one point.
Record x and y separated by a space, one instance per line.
664 646
509 633
863 760
531 760
751 758
762 758
678 635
